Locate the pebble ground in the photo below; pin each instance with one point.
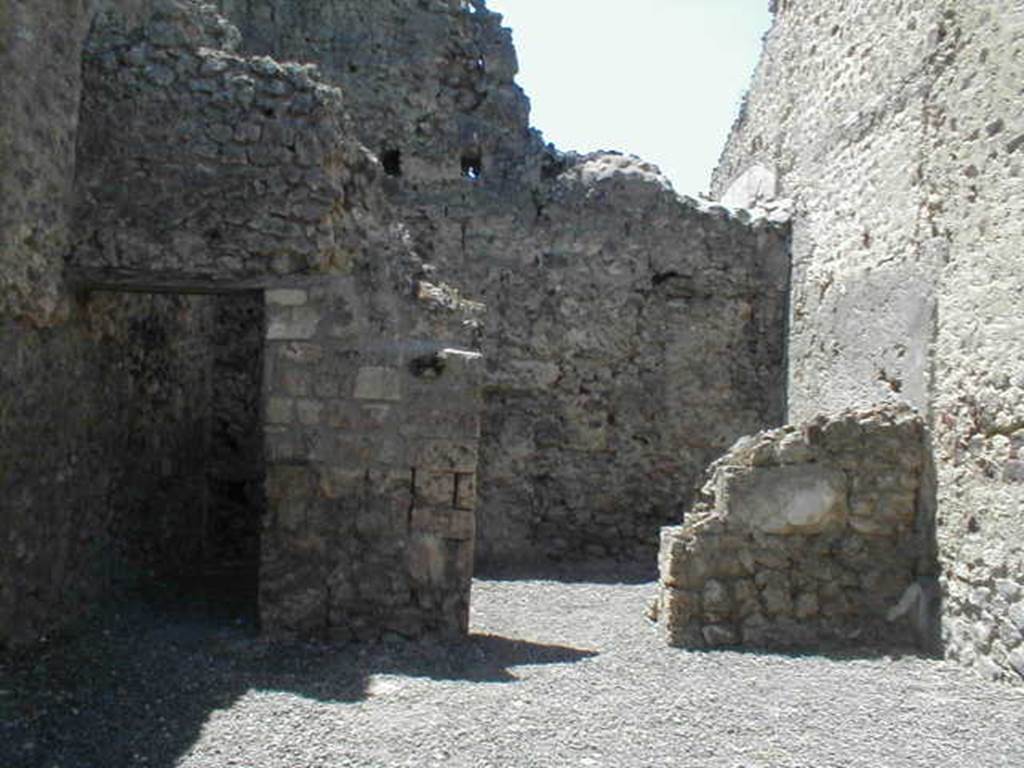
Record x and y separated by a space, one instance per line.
555 673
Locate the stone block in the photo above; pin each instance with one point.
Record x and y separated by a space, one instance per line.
789 500
426 560
453 455
301 353
338 482
288 323
717 602
280 410
452 524
718 635
309 411
465 491
286 297
378 383
287 481
294 382
435 488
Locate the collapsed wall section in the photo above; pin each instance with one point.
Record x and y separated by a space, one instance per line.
199 164
807 536
897 129
430 83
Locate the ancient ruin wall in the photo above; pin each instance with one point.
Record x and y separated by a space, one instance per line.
976 142
201 169
897 128
630 335
810 535
101 400
102 459
111 451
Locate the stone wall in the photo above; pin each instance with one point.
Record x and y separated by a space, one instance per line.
371 444
199 171
976 135
896 127
198 163
808 536
631 335
102 454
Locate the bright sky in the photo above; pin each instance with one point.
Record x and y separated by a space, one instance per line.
661 79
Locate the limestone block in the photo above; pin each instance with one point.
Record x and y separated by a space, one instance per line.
435 488
717 602
788 500
426 559
717 635
378 383
447 455
754 186
465 490
292 323
451 524
286 297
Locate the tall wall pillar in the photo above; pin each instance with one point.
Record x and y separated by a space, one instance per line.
371 443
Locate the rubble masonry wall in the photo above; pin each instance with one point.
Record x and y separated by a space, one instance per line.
898 130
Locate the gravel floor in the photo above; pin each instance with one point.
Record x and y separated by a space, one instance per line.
556 673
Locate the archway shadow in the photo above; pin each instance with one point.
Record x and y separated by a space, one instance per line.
137 685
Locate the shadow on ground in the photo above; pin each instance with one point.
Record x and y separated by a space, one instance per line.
583 572
136 687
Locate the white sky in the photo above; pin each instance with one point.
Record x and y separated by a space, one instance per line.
657 78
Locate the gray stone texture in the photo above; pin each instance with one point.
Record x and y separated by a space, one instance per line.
371 449
132 438
103 453
897 129
631 335
811 536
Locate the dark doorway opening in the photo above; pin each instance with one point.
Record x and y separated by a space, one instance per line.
186 509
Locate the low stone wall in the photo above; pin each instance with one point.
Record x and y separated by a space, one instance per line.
806 535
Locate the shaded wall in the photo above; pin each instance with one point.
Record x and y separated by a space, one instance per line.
103 435
896 127
204 170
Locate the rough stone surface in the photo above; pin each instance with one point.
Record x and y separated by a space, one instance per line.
135 428
897 128
371 447
807 536
631 335
103 453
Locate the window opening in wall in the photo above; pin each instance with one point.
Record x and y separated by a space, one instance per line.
391 159
472 165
